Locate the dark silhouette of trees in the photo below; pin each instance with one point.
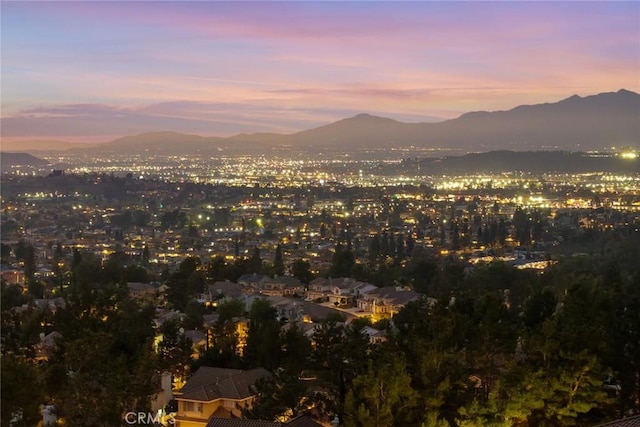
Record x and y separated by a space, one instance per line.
263 338
343 262
301 270
254 264
278 262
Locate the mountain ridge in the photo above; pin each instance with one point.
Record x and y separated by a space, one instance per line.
573 123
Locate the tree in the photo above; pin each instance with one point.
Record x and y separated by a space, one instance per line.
194 312
381 397
5 252
185 283
102 384
10 296
422 270
26 253
278 263
296 349
254 265
328 338
104 363
374 249
277 395
174 350
301 270
343 262
263 338
21 391
229 309
522 225
145 254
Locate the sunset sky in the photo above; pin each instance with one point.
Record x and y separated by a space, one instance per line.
92 71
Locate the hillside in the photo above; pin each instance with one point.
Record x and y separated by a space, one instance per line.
523 161
9 160
175 143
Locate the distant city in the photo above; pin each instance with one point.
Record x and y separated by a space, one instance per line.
328 247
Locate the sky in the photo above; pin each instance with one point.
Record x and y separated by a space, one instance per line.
88 71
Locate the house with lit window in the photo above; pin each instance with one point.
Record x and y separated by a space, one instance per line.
216 393
338 291
385 301
282 286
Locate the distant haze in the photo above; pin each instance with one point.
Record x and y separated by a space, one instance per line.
576 123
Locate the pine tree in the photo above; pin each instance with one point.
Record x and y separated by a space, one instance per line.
278 263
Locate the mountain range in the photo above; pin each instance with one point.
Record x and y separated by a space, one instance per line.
576 124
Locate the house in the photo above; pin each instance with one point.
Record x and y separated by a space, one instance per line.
292 309
13 277
386 301
50 304
210 320
254 280
216 393
282 286
220 292
198 339
140 290
167 315
318 289
47 345
339 291
376 336
631 421
346 291
164 392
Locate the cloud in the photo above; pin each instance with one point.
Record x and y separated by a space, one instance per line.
225 67
98 120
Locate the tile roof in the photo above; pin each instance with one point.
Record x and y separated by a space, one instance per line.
235 422
226 288
624 422
303 421
195 335
397 296
253 278
209 384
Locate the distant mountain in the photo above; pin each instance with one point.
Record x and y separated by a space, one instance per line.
9 160
575 123
174 143
361 131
